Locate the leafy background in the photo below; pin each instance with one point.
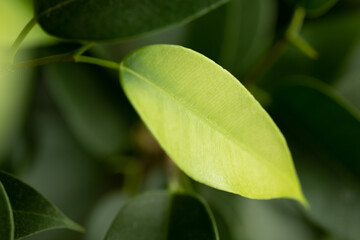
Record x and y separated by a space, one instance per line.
68 130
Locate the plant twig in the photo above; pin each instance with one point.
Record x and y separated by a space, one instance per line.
16 45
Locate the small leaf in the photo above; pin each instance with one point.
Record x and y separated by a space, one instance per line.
208 123
85 100
317 113
32 212
6 216
162 215
109 20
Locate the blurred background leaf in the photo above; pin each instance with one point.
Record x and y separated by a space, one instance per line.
32 213
153 214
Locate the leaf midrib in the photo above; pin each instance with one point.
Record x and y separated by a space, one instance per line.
59 5
206 120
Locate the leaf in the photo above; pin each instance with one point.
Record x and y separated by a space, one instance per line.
108 20
332 191
32 212
208 123
103 214
318 114
349 84
6 216
162 215
85 99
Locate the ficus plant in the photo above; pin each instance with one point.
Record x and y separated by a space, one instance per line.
182 119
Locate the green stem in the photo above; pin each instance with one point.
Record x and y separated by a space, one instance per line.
43 61
293 34
97 61
83 49
67 57
15 47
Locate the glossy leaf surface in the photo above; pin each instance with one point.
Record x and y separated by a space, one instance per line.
208 123
32 212
162 215
6 216
318 113
108 19
88 107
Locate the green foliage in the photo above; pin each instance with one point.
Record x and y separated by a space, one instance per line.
200 115
107 20
70 130
163 215
31 212
6 216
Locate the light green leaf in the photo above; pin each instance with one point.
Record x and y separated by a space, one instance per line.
32 212
6 216
162 215
89 107
109 20
208 123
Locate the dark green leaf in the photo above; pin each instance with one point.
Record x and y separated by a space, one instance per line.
108 19
6 216
161 215
332 191
32 212
89 107
318 114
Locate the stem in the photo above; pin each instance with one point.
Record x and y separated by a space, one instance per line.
67 57
83 49
97 61
43 61
293 34
16 45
